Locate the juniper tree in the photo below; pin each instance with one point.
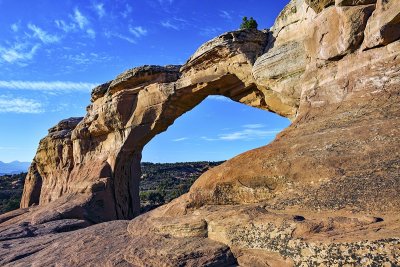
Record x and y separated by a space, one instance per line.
248 23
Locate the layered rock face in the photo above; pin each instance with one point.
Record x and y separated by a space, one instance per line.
325 192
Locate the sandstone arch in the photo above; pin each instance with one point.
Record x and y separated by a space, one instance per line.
287 70
100 156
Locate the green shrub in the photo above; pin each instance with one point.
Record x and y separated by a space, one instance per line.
12 204
153 197
248 23
156 198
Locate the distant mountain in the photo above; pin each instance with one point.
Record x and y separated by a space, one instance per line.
13 167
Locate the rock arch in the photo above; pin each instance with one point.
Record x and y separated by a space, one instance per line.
303 69
100 156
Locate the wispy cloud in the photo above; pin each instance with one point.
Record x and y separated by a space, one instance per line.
91 33
18 53
47 86
219 98
65 26
99 8
208 138
88 58
163 2
254 126
109 34
80 19
247 134
43 35
78 22
19 105
15 27
250 132
180 139
225 14
138 31
169 25
128 9
174 23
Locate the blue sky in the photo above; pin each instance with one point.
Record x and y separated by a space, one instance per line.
53 52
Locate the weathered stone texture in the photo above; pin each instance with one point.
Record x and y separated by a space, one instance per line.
383 27
319 5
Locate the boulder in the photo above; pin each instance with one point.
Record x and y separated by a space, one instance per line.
383 26
338 31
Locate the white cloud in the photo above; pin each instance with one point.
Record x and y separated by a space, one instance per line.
79 22
167 24
42 35
127 11
19 52
138 31
174 23
208 138
80 19
99 8
219 98
64 26
250 132
82 58
163 2
180 139
91 33
247 134
225 14
15 27
60 86
254 126
19 105
120 36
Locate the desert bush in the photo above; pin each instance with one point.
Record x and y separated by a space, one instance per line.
248 23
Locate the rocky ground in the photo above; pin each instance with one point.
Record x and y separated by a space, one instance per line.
325 192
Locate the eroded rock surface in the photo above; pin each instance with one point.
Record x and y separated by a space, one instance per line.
325 191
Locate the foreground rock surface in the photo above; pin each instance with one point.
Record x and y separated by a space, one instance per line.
233 235
325 192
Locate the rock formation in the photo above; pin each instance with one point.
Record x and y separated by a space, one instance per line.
326 191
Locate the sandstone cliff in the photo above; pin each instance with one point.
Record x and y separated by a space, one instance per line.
326 191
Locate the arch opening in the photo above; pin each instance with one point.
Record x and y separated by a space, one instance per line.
215 130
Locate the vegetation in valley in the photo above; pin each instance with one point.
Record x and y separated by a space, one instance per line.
11 187
160 183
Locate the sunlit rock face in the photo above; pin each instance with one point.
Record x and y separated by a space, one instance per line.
324 192
100 156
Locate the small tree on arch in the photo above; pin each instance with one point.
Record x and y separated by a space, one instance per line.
248 23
